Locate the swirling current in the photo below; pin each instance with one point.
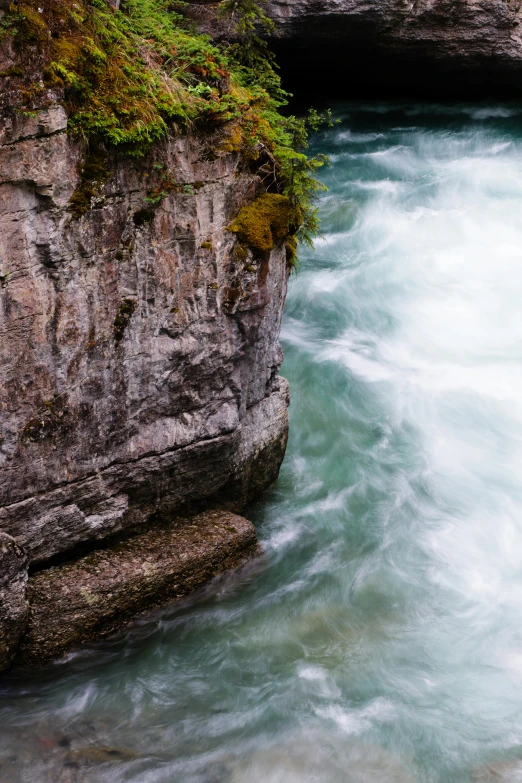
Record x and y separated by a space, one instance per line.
380 639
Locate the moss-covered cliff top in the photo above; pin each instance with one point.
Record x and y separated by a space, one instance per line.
126 76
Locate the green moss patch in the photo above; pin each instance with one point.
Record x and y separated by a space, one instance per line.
122 319
267 222
127 77
94 173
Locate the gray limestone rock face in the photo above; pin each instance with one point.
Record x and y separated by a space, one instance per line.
14 606
139 356
96 595
264 435
377 47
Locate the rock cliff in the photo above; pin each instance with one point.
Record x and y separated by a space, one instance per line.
138 338
139 354
441 48
96 595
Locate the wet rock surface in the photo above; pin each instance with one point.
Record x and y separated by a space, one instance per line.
98 594
51 754
507 771
13 603
256 462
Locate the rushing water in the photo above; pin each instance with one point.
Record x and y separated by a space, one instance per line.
381 639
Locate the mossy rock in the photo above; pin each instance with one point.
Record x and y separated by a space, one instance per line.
128 76
123 317
94 173
270 220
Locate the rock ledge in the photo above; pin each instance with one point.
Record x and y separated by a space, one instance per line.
100 593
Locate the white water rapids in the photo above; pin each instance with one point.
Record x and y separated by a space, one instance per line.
381 641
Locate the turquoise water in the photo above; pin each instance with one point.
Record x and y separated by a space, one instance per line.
381 638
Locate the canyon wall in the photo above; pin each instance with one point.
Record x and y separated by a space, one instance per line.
139 353
139 350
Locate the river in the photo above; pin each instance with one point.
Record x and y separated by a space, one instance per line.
380 640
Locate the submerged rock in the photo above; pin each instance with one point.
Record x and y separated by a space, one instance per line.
316 757
101 754
506 771
98 594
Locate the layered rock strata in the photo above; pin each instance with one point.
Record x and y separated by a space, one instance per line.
98 594
139 353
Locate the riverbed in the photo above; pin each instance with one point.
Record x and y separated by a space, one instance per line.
380 638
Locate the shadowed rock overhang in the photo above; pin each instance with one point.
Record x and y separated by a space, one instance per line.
387 48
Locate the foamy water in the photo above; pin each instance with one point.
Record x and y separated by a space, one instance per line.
382 638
